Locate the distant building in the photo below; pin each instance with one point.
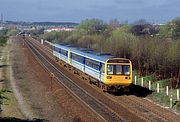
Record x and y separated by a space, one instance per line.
158 24
59 29
1 28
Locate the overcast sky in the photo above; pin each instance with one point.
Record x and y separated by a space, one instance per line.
77 10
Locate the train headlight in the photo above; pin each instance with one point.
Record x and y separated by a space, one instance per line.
109 77
127 77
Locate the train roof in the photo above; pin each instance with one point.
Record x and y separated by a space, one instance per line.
100 57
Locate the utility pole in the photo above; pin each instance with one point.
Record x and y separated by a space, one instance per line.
1 20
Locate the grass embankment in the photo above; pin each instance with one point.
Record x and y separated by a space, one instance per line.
3 91
161 97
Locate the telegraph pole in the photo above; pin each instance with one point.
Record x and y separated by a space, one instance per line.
1 24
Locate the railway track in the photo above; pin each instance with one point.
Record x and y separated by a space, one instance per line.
148 109
89 101
129 104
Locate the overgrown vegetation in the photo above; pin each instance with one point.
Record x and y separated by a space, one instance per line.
153 49
3 37
5 34
3 97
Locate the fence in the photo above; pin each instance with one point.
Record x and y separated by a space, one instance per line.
160 88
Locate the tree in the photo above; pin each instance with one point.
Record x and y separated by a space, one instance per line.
171 30
91 26
114 23
176 28
120 42
91 41
141 22
174 59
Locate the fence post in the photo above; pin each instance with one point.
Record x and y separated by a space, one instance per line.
135 80
171 102
149 85
142 82
157 87
167 90
178 94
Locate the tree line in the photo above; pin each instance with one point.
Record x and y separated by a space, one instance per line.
154 49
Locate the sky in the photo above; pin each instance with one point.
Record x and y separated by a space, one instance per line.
159 11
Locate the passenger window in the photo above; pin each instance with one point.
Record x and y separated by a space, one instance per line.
93 64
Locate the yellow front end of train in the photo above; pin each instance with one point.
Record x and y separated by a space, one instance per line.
118 72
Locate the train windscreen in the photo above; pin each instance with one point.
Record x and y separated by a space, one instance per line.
118 69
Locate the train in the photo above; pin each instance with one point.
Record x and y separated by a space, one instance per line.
106 71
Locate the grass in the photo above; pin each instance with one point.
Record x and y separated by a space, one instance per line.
177 106
160 97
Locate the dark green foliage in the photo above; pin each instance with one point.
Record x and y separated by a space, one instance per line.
170 31
3 40
147 29
3 37
178 105
3 32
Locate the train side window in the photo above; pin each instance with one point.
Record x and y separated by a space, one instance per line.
63 52
93 64
56 49
87 62
77 57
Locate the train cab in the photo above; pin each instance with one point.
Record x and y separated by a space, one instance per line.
118 72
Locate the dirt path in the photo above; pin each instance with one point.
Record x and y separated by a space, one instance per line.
11 109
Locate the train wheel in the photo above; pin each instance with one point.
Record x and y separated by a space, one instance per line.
56 59
90 81
105 88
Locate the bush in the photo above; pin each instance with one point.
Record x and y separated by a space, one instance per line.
3 40
3 97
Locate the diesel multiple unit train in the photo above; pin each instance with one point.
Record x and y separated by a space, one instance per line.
107 71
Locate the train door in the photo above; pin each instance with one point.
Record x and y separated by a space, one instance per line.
101 75
83 62
69 57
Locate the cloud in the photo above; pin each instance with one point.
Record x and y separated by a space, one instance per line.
76 10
